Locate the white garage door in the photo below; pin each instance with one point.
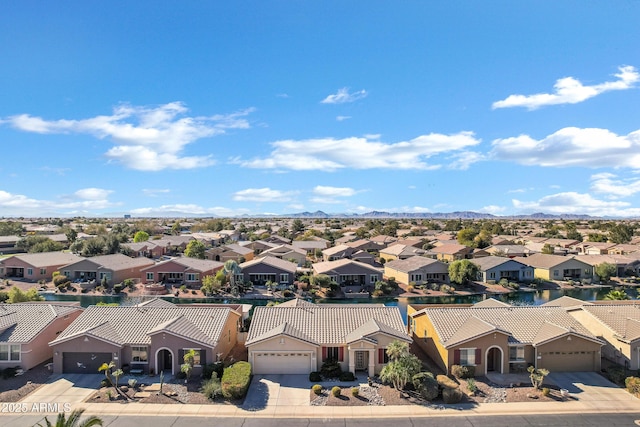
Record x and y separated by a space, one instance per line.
281 363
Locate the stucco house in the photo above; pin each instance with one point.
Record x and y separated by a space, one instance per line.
144 249
347 272
27 328
114 268
233 252
400 251
299 338
287 252
496 268
618 324
269 269
37 266
179 271
337 252
146 338
452 252
557 267
495 337
418 270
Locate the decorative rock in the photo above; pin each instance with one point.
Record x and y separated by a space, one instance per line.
124 388
532 396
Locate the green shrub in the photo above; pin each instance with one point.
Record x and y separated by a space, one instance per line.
355 391
347 376
287 293
504 282
105 383
61 280
451 395
210 368
336 391
117 288
132 382
546 391
212 388
632 384
317 389
472 386
425 384
446 382
464 372
235 380
315 377
331 369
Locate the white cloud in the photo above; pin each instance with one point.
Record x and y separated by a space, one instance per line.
576 203
342 118
85 201
606 183
154 192
93 194
145 138
519 190
262 195
297 206
403 209
464 159
325 200
569 90
331 154
323 190
343 96
187 210
588 147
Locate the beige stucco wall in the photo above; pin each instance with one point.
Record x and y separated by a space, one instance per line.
613 349
564 345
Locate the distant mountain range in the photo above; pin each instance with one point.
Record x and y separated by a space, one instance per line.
435 215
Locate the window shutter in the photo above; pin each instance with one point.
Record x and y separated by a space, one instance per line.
324 353
340 354
456 357
381 355
478 356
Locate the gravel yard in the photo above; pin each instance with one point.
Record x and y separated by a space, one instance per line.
15 388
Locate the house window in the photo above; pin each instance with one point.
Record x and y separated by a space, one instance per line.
492 275
9 352
373 278
192 277
150 276
516 353
105 274
67 273
556 273
332 353
139 354
467 356
284 278
383 357
196 357
29 271
43 271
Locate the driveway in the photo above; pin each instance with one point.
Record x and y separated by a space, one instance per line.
590 387
277 390
65 389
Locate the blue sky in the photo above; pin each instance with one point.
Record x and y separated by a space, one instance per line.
227 108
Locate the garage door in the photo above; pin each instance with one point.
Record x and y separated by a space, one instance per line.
281 363
83 363
569 361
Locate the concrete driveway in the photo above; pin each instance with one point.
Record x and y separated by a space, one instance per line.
66 389
590 387
277 390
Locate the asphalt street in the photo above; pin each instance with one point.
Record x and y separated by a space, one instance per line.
456 421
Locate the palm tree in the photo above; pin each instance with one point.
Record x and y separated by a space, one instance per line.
396 349
617 295
231 269
73 420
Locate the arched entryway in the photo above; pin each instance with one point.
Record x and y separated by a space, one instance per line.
494 360
164 361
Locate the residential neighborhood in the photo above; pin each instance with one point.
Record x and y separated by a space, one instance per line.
316 304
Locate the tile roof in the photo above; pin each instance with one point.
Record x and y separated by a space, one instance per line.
134 324
545 261
411 264
566 302
489 262
522 323
116 262
44 259
327 267
326 323
491 302
273 262
617 317
191 264
20 323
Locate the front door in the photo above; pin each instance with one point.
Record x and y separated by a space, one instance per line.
165 361
362 360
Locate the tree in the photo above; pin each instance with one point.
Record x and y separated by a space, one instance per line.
16 295
605 271
466 236
33 244
70 234
620 233
320 280
548 249
195 249
140 236
10 228
297 227
462 271
597 237
616 295
401 369
189 359
73 420
537 376
210 285
231 270
117 374
106 368
176 229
